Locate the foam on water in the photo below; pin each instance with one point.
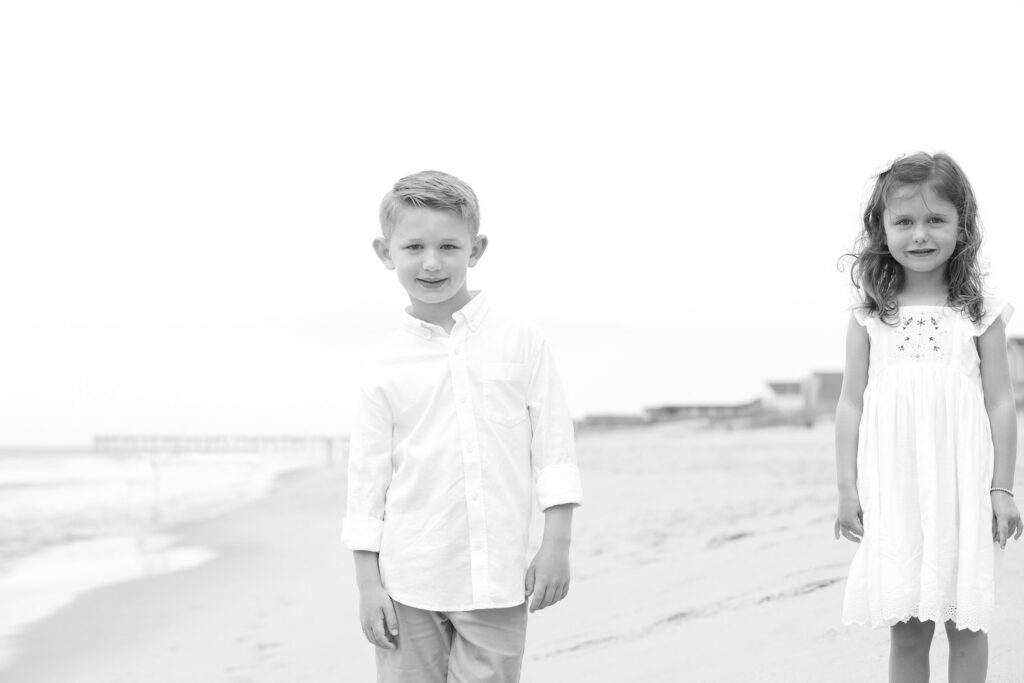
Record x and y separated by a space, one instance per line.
71 522
47 581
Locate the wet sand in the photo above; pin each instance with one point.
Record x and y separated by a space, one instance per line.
704 556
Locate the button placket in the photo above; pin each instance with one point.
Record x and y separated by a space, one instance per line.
472 471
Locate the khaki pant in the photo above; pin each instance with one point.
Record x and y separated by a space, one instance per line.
478 646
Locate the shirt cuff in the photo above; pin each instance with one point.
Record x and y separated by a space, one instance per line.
557 485
361 533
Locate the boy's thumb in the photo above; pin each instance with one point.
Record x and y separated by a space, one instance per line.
531 575
391 618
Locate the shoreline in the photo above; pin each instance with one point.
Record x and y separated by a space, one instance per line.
209 622
696 556
42 584
108 521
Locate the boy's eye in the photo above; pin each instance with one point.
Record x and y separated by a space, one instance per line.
449 246
414 247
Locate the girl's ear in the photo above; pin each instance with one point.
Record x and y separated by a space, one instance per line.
380 247
479 247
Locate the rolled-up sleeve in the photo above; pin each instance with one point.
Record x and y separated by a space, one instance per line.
369 472
552 450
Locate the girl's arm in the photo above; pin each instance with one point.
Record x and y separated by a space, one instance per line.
849 521
1002 415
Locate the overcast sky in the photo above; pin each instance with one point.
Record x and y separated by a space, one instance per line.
188 190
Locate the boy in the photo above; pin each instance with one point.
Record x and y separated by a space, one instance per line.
459 412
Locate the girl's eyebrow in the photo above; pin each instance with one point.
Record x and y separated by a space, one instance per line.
897 216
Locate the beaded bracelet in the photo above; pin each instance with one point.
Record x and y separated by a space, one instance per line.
1000 488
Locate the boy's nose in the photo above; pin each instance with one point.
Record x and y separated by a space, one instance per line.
431 262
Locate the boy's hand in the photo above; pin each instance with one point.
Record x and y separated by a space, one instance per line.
850 519
377 616
547 578
1006 520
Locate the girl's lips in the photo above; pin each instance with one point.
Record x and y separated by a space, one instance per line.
921 252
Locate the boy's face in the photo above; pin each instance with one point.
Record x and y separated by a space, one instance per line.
431 251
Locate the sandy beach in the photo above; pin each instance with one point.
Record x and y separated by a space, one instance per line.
699 555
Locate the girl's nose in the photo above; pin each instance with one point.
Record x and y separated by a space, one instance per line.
920 233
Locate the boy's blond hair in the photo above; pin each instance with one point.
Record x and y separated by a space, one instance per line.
431 190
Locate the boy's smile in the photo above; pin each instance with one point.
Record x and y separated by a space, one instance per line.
431 250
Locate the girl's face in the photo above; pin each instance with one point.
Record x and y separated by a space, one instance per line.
921 228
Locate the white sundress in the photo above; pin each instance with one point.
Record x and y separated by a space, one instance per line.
924 469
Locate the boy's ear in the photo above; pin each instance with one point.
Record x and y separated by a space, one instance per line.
380 247
479 247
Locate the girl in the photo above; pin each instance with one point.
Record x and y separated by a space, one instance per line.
926 431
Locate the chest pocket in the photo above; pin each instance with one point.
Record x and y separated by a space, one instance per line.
504 392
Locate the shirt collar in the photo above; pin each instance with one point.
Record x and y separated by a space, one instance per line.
472 314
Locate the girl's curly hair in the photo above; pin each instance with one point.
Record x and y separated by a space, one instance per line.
876 274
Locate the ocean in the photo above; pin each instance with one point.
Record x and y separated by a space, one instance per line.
76 519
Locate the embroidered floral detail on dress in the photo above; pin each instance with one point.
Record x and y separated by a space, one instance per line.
921 337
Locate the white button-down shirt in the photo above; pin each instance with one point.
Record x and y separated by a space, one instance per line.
452 433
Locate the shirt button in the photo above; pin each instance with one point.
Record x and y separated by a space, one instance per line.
458 350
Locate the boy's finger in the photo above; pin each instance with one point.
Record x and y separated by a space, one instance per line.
554 595
538 600
531 576
836 528
391 617
850 536
380 636
546 597
538 597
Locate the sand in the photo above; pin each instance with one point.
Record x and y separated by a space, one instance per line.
703 556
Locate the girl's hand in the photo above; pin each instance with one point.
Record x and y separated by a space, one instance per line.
850 520
1006 521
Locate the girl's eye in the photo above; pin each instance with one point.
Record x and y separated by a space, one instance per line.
938 219
902 221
